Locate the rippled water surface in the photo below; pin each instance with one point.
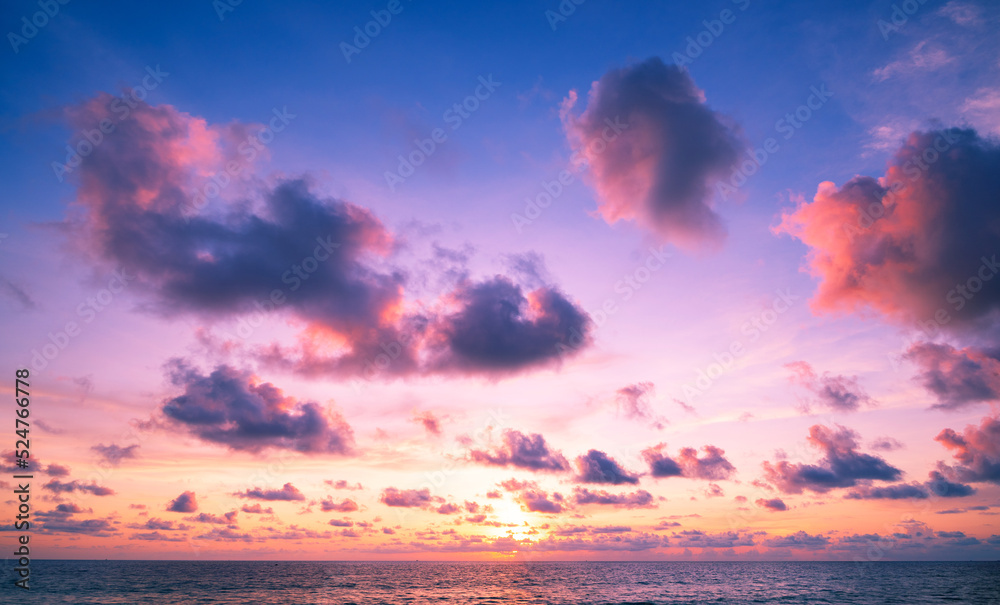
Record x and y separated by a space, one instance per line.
303 583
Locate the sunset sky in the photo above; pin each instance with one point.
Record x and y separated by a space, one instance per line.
525 280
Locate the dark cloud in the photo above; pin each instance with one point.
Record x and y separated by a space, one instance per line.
448 508
538 501
114 454
344 506
284 248
918 244
936 485
842 465
518 450
287 493
499 328
597 467
231 408
889 492
225 519
774 504
799 539
977 451
93 527
61 487
639 499
407 498
693 538
837 393
185 503
712 466
668 150
958 377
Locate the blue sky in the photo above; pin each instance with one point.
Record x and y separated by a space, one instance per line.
349 121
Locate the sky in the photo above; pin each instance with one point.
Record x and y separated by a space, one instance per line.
527 281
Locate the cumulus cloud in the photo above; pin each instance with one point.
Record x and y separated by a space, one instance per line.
61 487
538 501
637 499
712 465
654 149
501 328
936 485
957 377
287 493
597 467
257 509
841 466
141 206
837 393
773 504
916 244
977 450
799 539
185 503
232 408
344 506
406 498
518 450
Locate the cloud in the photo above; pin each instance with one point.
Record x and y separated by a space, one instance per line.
917 244
287 493
712 466
93 527
431 423
538 501
667 150
693 538
78 486
499 328
185 503
232 408
114 454
774 504
633 400
838 393
799 539
257 509
639 499
958 377
342 484
886 444
936 485
597 467
225 519
518 450
147 202
977 450
407 498
344 506
842 465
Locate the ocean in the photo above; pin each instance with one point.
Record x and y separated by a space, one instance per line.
578 583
